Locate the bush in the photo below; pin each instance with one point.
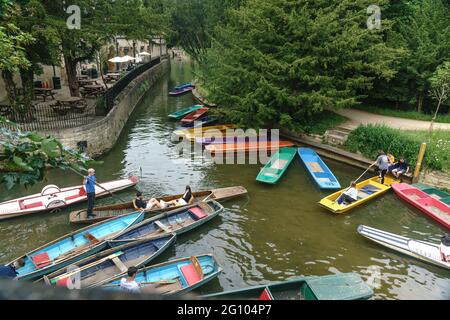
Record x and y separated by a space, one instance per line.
371 138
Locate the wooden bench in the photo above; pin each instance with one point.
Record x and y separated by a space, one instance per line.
163 226
44 93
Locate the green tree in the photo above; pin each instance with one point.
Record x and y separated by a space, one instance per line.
440 88
281 62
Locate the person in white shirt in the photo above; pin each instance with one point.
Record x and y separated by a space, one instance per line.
444 248
130 284
350 195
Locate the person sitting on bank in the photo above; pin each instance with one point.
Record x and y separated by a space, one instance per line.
399 168
348 196
186 199
382 164
129 284
89 183
444 248
139 203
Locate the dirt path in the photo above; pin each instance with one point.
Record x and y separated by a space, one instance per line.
358 117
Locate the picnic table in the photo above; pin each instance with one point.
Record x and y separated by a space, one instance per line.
44 92
83 77
112 76
65 105
85 82
93 90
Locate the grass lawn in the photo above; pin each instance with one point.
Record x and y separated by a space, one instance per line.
443 118
324 121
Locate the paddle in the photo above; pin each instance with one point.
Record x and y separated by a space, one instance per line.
365 171
99 185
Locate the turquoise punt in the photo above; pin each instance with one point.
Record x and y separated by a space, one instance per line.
184 112
277 166
173 277
72 247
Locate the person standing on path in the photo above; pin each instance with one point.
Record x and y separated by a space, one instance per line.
89 183
383 165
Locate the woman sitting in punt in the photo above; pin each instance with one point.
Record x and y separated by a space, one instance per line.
186 199
349 196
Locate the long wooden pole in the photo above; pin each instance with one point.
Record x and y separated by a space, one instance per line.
423 148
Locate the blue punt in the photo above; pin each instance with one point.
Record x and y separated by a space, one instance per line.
318 170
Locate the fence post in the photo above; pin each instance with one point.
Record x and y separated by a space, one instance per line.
423 148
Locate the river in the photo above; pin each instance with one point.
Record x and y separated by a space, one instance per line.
275 233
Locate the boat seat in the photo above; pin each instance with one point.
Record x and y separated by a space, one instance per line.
92 239
192 272
362 195
41 260
199 213
162 226
119 264
279 164
265 295
315 167
24 206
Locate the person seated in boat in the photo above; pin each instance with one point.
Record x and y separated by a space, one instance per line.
444 248
186 199
382 163
8 272
348 196
129 284
139 203
399 168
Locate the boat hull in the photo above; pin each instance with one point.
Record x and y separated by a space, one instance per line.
421 250
248 146
318 170
192 117
180 92
184 112
277 166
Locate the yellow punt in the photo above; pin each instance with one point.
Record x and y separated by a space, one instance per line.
367 190
193 133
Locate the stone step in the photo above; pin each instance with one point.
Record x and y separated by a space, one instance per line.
334 139
337 133
343 128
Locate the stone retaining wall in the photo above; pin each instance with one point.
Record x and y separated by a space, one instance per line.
101 135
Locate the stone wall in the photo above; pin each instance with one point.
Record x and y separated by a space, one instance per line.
101 135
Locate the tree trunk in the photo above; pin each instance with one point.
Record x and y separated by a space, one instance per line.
10 87
435 116
27 77
71 70
420 102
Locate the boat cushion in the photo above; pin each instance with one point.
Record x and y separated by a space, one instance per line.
41 260
199 213
190 274
32 205
63 282
265 295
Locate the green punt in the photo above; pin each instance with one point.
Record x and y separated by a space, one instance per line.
344 286
277 165
434 192
184 112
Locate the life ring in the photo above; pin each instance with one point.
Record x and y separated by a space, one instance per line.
50 189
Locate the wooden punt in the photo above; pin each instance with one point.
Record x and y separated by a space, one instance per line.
179 92
184 112
185 85
424 251
53 198
177 221
367 190
318 170
210 131
72 247
114 210
232 139
434 192
277 166
343 286
174 277
248 146
204 121
193 116
114 262
429 205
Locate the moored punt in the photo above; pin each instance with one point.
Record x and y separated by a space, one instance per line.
344 286
248 146
52 198
72 247
180 92
277 166
434 192
177 221
318 170
232 139
185 85
209 131
197 114
429 205
173 277
109 211
367 190
184 112
204 121
424 251
104 266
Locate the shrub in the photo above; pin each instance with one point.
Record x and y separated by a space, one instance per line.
368 139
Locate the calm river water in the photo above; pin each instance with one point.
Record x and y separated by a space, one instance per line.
275 233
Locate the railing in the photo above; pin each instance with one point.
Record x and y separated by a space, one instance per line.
45 117
113 92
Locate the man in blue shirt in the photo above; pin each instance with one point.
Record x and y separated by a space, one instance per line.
89 183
